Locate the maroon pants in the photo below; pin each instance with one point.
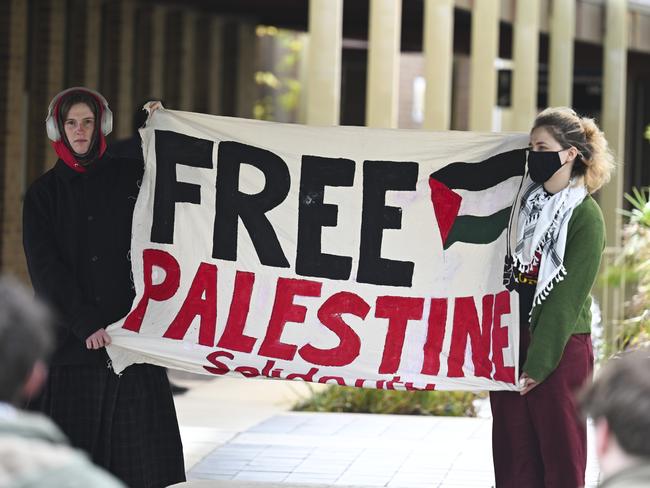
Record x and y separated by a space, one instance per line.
538 440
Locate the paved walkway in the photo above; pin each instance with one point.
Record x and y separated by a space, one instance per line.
238 433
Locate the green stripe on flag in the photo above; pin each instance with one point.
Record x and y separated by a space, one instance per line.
478 230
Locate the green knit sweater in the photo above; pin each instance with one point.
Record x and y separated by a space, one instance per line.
567 309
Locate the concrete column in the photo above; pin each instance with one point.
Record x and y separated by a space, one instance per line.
323 87
13 137
613 112
187 73
438 62
303 69
215 74
93 44
562 27
45 80
382 93
246 66
157 88
526 57
55 67
483 76
124 115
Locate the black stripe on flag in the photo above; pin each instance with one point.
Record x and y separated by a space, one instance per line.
479 176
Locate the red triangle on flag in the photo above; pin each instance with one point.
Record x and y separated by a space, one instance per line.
446 204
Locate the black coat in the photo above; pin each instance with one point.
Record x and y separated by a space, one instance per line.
77 239
127 148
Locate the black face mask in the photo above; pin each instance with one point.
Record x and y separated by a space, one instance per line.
543 164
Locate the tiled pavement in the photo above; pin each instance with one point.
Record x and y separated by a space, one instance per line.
359 450
238 433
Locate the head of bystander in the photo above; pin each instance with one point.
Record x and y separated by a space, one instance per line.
33 451
619 404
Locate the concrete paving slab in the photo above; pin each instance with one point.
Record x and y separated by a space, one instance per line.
239 434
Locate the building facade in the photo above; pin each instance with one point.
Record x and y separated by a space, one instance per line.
432 64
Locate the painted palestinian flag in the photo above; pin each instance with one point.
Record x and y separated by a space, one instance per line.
472 201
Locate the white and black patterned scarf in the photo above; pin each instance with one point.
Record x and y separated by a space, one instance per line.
542 226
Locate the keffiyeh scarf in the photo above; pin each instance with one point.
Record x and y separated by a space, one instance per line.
542 233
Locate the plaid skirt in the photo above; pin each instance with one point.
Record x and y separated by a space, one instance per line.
126 423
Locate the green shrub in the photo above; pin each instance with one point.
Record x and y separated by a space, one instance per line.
365 400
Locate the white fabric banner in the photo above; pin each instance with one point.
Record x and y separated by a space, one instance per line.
345 255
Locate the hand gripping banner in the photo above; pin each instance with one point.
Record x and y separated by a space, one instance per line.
344 255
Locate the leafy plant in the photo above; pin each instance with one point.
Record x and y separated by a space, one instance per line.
365 400
632 267
640 213
278 81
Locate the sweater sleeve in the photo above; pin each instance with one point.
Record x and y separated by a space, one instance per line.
53 281
553 322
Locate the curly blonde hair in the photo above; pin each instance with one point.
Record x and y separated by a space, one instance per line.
595 161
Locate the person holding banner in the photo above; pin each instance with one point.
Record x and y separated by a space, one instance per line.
538 439
77 236
131 148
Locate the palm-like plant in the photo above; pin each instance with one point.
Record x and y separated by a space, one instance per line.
636 259
640 213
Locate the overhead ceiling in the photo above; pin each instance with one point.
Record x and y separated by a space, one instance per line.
294 14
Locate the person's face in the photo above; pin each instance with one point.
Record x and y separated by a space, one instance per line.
541 140
79 127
